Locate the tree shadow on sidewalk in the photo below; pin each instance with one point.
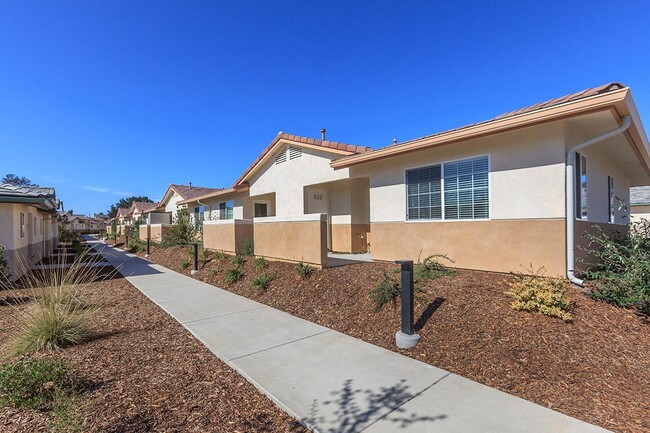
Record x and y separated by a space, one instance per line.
356 409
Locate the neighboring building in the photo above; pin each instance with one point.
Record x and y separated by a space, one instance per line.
81 223
28 225
640 203
492 195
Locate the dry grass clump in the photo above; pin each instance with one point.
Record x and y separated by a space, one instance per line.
533 291
55 308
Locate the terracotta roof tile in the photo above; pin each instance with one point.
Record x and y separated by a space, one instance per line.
189 192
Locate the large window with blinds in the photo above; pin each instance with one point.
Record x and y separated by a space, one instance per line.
455 190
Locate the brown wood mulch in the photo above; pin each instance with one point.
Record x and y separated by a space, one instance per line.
596 368
146 373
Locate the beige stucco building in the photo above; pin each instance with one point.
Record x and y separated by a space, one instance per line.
519 189
28 225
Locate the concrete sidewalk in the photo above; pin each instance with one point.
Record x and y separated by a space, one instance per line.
329 381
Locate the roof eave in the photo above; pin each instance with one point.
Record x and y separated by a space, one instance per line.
556 112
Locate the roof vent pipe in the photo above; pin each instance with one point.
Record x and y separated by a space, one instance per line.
394 141
570 196
190 185
322 134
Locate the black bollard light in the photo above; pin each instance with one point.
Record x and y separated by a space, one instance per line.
114 239
406 337
126 244
147 255
196 258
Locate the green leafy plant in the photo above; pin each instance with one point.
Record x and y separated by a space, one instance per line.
233 275
219 255
249 247
213 272
304 270
238 260
204 255
386 291
618 267
77 249
182 232
5 272
430 268
261 263
36 383
261 282
533 291
185 263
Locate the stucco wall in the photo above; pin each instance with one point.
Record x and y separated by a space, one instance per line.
157 231
227 235
292 239
288 179
501 246
526 178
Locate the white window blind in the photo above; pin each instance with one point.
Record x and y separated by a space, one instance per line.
462 184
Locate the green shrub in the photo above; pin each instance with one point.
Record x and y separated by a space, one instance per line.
304 270
618 268
5 272
233 275
185 263
534 292
77 249
261 282
213 272
219 255
431 268
386 291
249 247
238 260
36 383
261 263
182 232
204 255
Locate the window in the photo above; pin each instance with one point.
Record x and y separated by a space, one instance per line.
225 210
612 199
261 210
581 187
22 225
450 191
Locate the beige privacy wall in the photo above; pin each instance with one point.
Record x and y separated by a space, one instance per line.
292 239
227 235
157 231
144 232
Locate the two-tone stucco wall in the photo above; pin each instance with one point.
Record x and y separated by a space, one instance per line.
230 236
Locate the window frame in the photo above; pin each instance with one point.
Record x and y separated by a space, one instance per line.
578 166
442 190
22 225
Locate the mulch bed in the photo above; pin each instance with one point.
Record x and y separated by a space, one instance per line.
148 374
596 368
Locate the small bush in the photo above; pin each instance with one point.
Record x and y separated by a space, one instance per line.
185 263
261 263
386 291
249 247
5 273
238 260
535 292
219 255
431 268
618 268
304 270
182 232
77 249
36 384
213 272
233 275
261 282
204 255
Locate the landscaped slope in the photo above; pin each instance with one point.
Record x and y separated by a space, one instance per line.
595 368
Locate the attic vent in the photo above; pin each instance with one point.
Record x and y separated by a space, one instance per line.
295 152
281 157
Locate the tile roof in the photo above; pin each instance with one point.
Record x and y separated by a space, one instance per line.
123 211
144 206
351 148
8 189
188 192
639 195
594 91
219 193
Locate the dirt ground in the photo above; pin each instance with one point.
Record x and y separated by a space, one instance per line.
595 368
148 374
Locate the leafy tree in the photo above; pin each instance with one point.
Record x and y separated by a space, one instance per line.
12 179
126 202
182 232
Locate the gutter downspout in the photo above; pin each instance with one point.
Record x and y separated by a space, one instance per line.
570 196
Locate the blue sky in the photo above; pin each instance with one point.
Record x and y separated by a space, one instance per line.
102 99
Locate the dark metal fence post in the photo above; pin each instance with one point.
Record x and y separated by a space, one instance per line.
126 244
114 238
148 246
196 258
406 338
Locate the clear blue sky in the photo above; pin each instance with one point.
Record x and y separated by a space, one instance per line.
104 98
